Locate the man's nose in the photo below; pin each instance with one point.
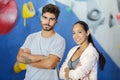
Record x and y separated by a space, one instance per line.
48 21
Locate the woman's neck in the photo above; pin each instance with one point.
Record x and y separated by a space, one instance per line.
84 45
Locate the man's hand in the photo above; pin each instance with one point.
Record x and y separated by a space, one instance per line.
26 50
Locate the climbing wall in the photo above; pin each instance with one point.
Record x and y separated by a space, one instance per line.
103 20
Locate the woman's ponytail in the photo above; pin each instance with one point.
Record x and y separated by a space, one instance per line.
102 59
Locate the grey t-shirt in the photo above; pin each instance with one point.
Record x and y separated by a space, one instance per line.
44 46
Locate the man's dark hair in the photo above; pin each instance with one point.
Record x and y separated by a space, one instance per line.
52 9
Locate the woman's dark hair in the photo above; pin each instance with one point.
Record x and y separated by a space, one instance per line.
102 59
52 9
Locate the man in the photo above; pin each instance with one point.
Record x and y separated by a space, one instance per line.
43 50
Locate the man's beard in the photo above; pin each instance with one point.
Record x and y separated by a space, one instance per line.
47 29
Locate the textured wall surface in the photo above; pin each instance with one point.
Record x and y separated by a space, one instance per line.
11 42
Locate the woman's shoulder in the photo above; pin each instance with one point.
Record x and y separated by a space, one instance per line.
92 49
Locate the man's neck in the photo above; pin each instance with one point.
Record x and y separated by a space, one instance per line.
47 34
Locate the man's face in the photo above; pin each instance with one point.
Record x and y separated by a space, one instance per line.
48 21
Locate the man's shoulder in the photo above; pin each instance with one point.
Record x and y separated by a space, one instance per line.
35 33
59 36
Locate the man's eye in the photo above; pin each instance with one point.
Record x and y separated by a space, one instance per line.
52 19
44 17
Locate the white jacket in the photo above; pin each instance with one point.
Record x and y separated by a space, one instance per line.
88 68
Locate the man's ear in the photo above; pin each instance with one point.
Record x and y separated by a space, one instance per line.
57 21
88 32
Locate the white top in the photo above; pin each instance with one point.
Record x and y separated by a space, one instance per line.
88 68
43 46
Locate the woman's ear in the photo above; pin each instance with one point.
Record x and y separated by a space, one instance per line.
88 32
41 18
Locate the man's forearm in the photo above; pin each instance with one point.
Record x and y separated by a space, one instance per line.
49 62
27 58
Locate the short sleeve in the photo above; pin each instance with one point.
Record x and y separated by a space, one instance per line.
58 47
27 42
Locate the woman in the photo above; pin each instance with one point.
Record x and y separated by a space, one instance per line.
81 61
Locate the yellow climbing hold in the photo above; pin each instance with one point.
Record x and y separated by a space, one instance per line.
28 11
18 67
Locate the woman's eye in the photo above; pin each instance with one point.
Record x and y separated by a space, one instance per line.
73 33
80 32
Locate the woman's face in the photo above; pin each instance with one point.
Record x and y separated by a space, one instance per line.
79 34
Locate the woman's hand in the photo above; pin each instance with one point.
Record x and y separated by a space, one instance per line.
67 73
78 65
